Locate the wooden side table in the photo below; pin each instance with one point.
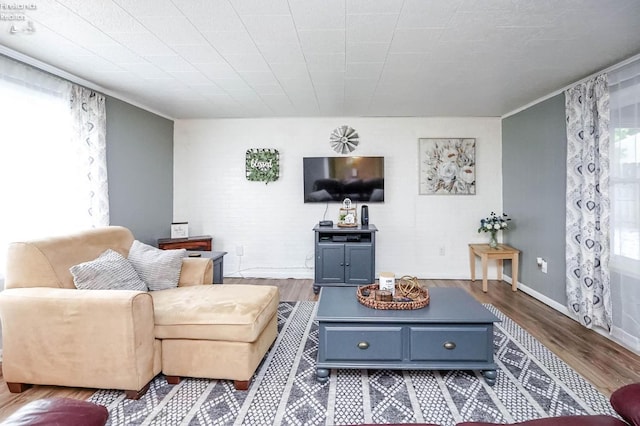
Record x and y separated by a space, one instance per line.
202 242
499 253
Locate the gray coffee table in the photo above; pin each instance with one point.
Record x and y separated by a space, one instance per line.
454 332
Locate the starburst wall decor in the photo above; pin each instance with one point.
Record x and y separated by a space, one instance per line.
344 139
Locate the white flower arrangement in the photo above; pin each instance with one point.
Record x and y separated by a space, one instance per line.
494 223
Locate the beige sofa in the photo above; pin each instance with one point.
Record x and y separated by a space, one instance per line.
55 334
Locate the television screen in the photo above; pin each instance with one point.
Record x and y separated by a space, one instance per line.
332 179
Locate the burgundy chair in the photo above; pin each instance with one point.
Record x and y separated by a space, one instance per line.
58 411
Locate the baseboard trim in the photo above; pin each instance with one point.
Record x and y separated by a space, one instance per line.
616 335
625 339
541 297
306 273
275 273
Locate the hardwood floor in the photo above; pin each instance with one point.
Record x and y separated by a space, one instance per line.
603 363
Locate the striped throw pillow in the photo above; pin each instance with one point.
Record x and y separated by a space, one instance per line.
159 269
110 271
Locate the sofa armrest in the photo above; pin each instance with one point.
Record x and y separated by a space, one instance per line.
79 338
196 271
626 402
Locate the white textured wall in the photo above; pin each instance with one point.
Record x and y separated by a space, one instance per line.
274 226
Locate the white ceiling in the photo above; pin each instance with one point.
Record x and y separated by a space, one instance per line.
280 58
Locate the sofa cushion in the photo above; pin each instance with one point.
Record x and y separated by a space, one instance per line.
159 269
231 312
110 271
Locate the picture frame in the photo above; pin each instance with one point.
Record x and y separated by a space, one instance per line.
447 166
262 165
180 230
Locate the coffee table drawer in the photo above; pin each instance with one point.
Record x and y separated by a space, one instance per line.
456 343
361 343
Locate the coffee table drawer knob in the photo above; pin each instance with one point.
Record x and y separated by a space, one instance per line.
363 345
449 345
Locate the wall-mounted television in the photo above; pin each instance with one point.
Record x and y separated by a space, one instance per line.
332 179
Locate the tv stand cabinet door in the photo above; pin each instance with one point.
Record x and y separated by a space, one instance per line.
359 264
330 263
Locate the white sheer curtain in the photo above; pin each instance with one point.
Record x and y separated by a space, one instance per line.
624 88
624 85
44 181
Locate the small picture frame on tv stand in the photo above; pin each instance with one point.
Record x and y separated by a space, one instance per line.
180 230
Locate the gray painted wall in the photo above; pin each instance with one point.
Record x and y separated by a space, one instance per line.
140 167
534 155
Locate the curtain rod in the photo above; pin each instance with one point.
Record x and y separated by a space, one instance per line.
557 92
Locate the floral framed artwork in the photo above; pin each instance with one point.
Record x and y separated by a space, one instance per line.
447 166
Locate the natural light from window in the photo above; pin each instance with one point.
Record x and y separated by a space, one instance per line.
625 184
42 183
624 104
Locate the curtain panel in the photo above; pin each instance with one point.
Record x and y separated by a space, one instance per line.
89 129
624 90
588 205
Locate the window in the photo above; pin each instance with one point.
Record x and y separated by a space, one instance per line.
624 86
43 181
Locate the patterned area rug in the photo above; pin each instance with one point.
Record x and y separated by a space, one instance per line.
532 382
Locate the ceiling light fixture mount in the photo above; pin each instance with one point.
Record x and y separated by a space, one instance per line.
344 139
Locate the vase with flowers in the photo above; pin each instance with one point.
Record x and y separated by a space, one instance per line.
493 224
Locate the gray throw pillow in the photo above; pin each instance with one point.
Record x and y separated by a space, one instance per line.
159 269
110 271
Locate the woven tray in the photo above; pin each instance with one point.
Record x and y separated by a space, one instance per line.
369 301
347 225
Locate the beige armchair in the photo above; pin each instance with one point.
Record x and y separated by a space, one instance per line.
55 334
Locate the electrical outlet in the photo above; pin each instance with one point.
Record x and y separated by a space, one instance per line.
543 267
442 251
239 250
